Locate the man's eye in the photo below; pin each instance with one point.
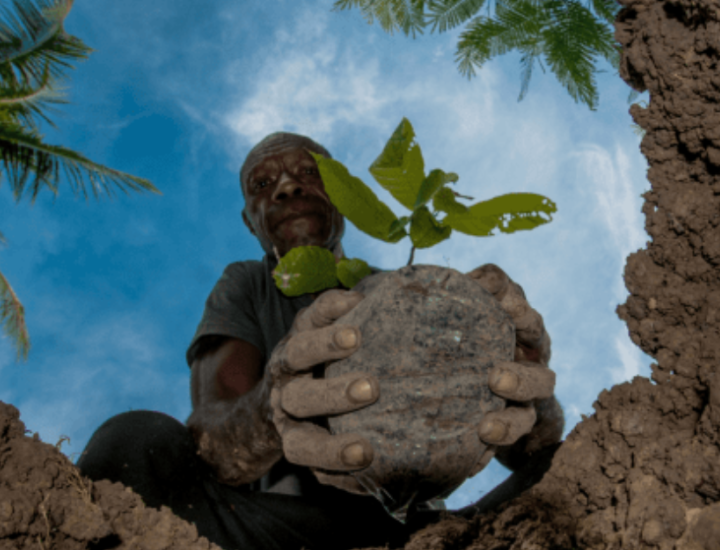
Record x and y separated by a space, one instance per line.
259 184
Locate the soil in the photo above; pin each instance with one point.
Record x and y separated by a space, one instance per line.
644 470
46 505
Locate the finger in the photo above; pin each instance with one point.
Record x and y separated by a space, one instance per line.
341 481
491 278
310 445
305 397
483 461
326 309
530 328
521 382
507 426
529 324
309 348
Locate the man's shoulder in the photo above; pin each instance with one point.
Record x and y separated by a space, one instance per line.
245 268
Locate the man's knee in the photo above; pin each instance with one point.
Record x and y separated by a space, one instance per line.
137 443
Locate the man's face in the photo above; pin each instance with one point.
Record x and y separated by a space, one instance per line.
286 205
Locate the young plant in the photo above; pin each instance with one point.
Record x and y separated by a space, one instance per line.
401 170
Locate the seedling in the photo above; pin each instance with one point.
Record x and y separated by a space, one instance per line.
401 170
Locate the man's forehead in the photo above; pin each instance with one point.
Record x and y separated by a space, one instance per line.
277 159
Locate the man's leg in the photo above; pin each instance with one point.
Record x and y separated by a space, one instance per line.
155 455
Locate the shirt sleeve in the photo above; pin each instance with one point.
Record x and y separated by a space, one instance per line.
230 309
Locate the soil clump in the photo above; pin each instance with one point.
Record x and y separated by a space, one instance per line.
45 504
430 337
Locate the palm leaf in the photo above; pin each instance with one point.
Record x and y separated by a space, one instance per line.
564 32
570 48
607 9
516 26
23 154
32 41
448 14
407 15
12 318
527 62
19 104
570 35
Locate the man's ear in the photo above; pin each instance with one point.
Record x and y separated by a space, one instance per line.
247 221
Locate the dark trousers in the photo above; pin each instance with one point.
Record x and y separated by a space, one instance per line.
155 455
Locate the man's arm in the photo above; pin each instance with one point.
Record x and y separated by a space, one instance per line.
231 418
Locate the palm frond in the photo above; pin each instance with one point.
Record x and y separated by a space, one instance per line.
19 104
563 32
527 62
405 15
32 41
571 45
515 26
448 14
607 9
23 154
12 319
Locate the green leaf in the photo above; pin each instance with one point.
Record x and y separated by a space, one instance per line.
509 213
12 318
355 200
425 231
351 272
400 167
445 201
305 269
397 229
435 180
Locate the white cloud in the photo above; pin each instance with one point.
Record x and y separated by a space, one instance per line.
618 202
631 359
302 93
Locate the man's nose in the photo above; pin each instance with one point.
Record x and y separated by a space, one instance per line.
287 186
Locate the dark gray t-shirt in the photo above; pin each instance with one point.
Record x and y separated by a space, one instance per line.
246 304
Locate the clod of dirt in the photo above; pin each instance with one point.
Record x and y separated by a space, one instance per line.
46 504
430 337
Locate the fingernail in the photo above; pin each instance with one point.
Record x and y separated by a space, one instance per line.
346 338
493 430
353 455
360 391
506 381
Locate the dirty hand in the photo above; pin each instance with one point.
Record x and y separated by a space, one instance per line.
296 395
533 418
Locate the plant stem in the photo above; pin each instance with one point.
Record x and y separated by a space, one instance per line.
412 253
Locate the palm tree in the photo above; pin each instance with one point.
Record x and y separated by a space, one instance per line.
34 51
569 35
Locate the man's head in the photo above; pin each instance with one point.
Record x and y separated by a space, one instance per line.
285 200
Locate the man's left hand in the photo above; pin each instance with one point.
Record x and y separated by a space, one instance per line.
533 418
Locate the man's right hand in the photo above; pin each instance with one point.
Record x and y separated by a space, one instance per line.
295 395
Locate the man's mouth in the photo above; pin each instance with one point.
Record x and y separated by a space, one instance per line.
301 212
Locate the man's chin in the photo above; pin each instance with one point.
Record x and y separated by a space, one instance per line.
304 242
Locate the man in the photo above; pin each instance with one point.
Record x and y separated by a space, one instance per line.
248 467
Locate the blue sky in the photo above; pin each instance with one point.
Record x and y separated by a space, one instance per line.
178 92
